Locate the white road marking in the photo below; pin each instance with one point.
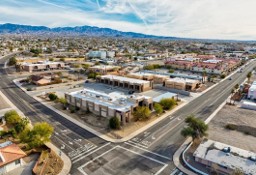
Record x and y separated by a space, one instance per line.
152 159
174 171
82 153
138 144
92 152
159 155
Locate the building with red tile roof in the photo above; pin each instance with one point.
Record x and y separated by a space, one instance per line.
10 157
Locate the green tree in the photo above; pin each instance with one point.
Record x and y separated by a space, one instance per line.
222 76
12 61
236 86
167 103
62 59
92 75
86 66
237 171
52 96
196 128
19 127
171 71
12 117
249 75
158 108
38 135
114 123
63 101
141 113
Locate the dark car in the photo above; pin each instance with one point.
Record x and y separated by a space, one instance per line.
131 92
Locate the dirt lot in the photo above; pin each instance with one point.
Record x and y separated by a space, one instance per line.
237 116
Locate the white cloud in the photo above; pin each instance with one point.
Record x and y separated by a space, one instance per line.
222 19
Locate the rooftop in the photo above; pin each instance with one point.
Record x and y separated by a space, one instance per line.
253 86
125 79
181 75
113 100
212 151
40 63
10 152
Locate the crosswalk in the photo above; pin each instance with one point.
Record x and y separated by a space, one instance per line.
176 171
142 143
80 151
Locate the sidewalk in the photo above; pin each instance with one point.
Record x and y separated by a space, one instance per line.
64 157
104 137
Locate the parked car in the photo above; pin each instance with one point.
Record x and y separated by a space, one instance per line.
131 92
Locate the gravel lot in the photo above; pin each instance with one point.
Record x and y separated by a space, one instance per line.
238 116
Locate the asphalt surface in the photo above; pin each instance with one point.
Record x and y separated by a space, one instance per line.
92 155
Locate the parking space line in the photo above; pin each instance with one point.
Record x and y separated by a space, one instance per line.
159 155
92 152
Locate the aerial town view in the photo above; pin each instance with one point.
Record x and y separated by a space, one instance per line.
125 87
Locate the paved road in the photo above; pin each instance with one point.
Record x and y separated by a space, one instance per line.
164 138
92 155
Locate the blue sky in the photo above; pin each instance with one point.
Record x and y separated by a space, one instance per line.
216 19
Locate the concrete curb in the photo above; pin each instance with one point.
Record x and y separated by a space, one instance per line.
185 146
67 162
104 137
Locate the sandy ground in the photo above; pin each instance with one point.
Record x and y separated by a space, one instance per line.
238 116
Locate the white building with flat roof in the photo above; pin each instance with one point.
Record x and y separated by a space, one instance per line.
108 105
225 158
42 65
252 91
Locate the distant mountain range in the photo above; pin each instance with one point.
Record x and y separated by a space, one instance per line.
71 31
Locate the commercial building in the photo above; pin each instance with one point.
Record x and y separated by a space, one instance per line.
182 84
157 79
125 82
10 157
101 54
210 66
225 158
108 105
103 69
42 65
252 91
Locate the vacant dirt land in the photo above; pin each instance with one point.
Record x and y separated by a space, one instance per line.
237 116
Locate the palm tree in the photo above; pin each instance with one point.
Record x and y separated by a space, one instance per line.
196 128
232 93
249 75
